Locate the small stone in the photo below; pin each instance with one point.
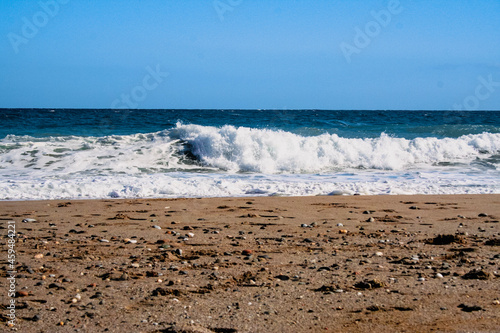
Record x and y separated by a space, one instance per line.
371 219
22 294
413 207
303 225
190 235
439 275
246 252
379 254
157 227
38 256
343 231
483 215
29 220
421 279
496 302
178 252
340 225
103 240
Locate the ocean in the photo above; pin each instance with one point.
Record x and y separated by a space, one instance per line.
94 154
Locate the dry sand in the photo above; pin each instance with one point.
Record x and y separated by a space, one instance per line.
267 264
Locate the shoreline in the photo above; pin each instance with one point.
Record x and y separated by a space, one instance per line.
251 197
257 264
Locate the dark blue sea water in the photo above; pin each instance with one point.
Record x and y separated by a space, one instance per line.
48 154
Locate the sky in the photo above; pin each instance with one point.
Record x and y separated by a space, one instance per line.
250 54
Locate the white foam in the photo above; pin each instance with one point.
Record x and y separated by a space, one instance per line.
174 185
266 151
243 161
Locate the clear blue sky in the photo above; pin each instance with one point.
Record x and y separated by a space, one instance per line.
279 54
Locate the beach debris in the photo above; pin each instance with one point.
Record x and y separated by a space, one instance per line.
120 216
369 284
493 242
328 289
469 308
476 274
445 240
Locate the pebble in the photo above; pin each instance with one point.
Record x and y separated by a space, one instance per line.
483 215
132 241
342 231
439 275
246 252
371 219
303 225
157 227
421 279
496 302
104 240
178 252
190 235
340 225
379 254
29 220
38 256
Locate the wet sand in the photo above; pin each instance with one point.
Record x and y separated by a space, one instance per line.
267 264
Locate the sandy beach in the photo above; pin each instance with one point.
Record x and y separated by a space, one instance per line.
265 264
